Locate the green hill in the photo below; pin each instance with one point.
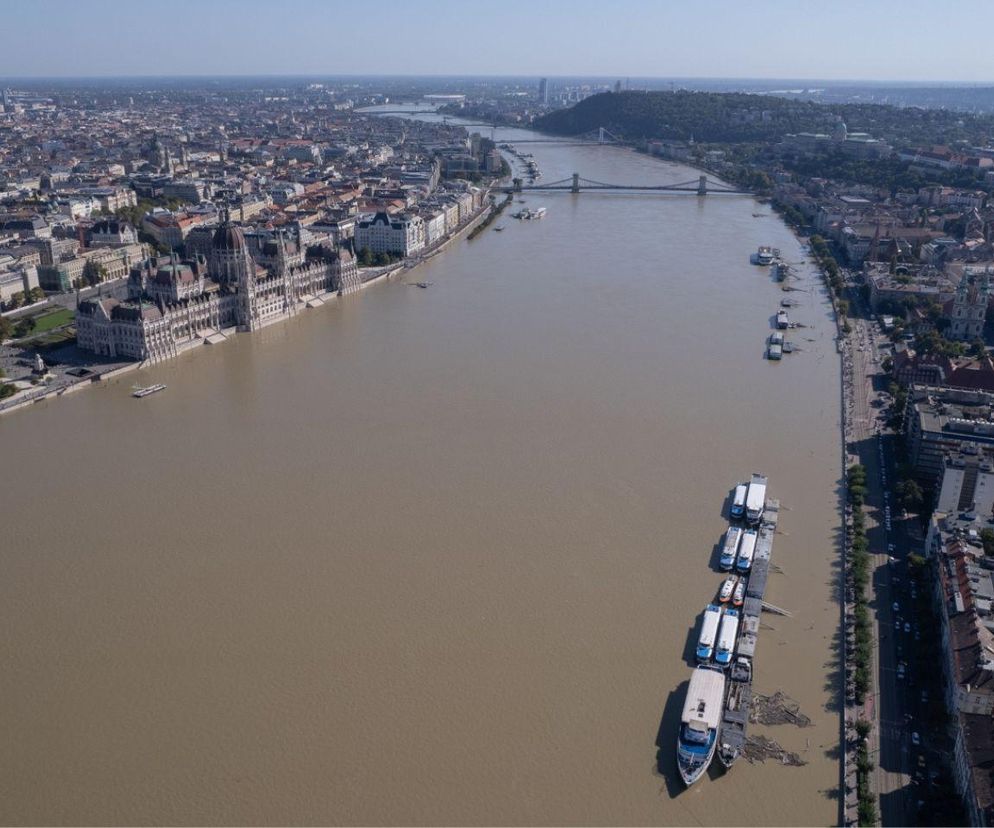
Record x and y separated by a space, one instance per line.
732 117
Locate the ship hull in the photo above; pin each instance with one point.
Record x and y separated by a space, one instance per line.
693 762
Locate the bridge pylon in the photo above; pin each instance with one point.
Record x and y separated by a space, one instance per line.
575 187
702 185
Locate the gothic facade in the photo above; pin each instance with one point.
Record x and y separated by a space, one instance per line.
174 304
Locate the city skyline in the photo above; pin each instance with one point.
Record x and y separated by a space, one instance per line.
229 39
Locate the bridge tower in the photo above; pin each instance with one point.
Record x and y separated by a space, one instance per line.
702 185
575 188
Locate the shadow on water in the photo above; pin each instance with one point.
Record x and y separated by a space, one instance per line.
690 647
715 557
666 736
726 505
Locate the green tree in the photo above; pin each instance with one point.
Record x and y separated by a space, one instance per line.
6 328
987 538
36 294
24 327
93 273
912 497
978 347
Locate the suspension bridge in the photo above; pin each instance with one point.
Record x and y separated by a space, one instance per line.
702 186
576 184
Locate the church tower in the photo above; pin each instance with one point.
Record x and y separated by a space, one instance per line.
969 307
231 265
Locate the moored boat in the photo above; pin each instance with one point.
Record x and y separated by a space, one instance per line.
699 723
739 500
709 632
766 255
731 546
729 588
755 499
747 550
738 595
726 638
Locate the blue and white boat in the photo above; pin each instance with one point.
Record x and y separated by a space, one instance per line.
731 547
739 501
726 638
747 550
699 723
709 633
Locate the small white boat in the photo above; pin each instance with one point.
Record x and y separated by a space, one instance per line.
143 391
739 595
727 589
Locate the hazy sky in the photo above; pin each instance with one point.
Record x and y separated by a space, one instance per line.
828 39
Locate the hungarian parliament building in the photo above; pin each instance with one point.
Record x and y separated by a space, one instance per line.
174 304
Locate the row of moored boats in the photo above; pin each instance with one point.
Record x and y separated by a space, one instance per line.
719 698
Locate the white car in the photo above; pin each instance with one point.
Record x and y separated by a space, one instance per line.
915 739
895 606
907 627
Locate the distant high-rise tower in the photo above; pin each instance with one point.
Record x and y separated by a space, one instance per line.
617 86
543 91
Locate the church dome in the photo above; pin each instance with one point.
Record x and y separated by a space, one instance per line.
229 238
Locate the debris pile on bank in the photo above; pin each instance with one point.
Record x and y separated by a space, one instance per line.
777 709
760 748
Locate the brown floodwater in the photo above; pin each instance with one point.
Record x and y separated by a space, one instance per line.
432 556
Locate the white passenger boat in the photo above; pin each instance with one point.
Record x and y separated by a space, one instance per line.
756 499
766 255
726 638
747 550
739 500
140 391
732 538
709 632
728 589
699 723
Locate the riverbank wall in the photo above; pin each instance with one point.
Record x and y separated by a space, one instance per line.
39 395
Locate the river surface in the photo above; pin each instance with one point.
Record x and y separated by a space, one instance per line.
432 556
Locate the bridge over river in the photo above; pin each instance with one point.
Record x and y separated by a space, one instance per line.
577 184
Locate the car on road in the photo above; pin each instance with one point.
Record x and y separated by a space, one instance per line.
915 739
897 625
895 606
900 670
907 627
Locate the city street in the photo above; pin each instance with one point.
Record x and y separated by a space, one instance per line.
873 446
